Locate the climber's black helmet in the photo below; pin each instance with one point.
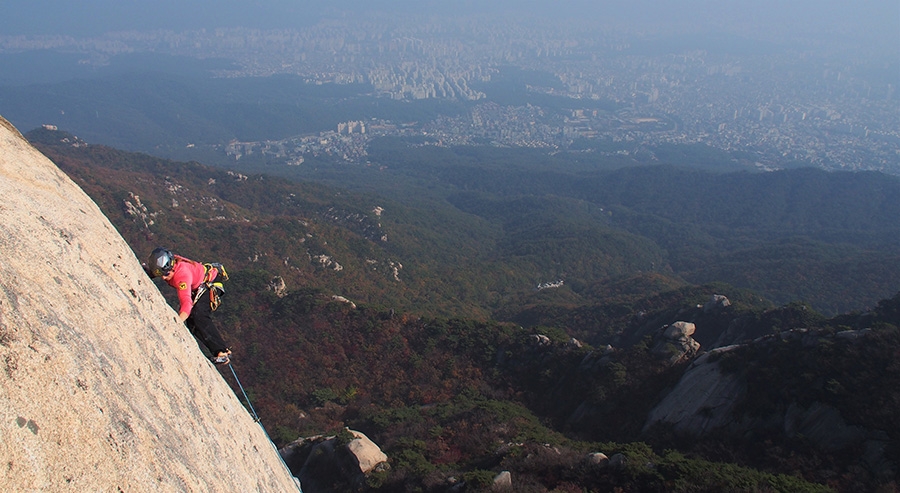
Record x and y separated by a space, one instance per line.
161 262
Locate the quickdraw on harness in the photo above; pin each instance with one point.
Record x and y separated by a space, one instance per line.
213 278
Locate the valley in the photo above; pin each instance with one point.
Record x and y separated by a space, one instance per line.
433 338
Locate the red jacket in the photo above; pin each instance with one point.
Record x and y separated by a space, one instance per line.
187 277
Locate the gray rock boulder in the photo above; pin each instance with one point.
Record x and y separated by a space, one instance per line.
598 459
852 335
334 463
680 330
368 455
716 302
278 286
503 481
340 299
675 343
540 339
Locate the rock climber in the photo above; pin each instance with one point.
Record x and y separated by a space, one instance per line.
199 288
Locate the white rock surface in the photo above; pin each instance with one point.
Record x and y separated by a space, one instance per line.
367 453
679 330
502 481
101 389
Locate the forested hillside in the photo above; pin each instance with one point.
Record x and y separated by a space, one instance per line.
826 238
443 350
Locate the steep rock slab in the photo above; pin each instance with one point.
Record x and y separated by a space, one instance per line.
702 401
101 389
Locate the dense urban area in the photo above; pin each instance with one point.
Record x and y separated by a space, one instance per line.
769 104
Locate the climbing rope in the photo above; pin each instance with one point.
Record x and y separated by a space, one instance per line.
249 404
256 419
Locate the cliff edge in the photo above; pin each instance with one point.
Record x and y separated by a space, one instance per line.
101 388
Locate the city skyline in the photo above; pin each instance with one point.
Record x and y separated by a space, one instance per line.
791 95
877 21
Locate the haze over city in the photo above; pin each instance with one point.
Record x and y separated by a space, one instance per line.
809 82
875 21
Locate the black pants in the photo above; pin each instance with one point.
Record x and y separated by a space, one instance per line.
201 325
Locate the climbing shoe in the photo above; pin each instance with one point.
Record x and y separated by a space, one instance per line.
223 358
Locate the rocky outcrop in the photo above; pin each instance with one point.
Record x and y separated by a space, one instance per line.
597 459
502 482
277 286
676 343
540 339
341 299
102 388
334 463
716 302
702 400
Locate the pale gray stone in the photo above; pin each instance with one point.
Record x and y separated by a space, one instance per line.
598 459
103 389
679 330
368 455
701 401
503 481
716 301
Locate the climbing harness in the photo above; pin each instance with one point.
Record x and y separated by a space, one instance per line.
256 419
215 288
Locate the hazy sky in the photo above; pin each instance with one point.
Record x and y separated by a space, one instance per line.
870 28
89 17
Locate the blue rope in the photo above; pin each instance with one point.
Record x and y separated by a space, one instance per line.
263 428
252 411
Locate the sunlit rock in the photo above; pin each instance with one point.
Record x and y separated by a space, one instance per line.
334 463
503 481
102 388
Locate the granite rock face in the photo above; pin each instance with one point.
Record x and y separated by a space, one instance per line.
101 388
701 402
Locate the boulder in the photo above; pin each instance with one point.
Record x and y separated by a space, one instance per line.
680 330
341 299
540 339
368 455
277 286
716 302
503 481
334 463
575 343
618 461
675 342
598 459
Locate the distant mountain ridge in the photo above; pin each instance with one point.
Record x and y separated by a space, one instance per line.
771 232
